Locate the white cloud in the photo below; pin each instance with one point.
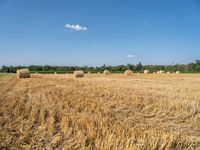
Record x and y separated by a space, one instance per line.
76 27
131 56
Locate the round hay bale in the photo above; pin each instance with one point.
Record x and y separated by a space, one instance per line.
128 72
23 73
146 71
177 72
162 71
168 72
106 72
78 74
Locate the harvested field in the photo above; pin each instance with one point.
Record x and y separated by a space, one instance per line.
143 111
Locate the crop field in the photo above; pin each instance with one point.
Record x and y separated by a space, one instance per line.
152 111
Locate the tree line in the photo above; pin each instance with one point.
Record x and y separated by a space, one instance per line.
184 68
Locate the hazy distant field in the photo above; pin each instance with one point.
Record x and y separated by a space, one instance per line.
100 112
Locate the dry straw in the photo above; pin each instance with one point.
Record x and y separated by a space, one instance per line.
79 115
177 72
146 71
106 72
128 72
78 74
23 73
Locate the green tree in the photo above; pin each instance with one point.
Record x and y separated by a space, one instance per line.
139 67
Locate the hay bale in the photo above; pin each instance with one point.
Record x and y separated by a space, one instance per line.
128 72
177 72
162 71
106 72
23 73
146 71
55 72
78 74
168 72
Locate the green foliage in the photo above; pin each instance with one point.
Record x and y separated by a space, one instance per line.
184 68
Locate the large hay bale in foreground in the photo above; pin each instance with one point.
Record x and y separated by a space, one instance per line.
146 71
23 73
128 72
78 74
106 72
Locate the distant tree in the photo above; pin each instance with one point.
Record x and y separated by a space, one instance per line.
191 67
131 67
139 67
5 69
197 62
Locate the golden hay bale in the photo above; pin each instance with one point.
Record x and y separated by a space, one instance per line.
162 71
128 72
78 73
146 71
106 72
23 73
168 72
177 72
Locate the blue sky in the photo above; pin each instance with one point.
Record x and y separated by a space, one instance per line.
97 32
